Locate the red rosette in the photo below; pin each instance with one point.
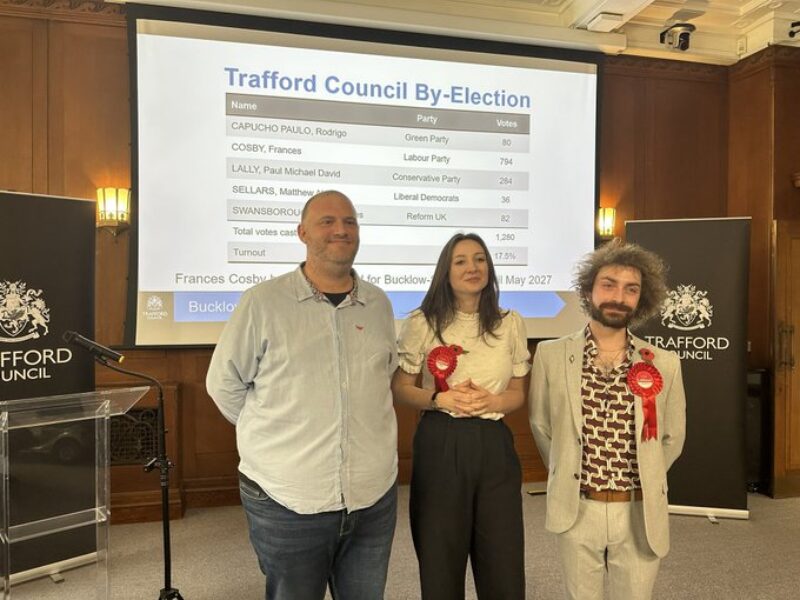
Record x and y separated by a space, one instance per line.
442 361
645 381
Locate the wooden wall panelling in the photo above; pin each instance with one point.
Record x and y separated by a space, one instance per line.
111 286
787 132
407 419
210 474
533 469
23 105
89 143
687 159
89 112
191 429
750 188
663 138
621 158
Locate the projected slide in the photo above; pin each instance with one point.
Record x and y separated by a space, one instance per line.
237 129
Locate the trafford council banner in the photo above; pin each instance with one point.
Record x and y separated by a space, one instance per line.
704 320
47 288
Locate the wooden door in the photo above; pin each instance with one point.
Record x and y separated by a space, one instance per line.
786 360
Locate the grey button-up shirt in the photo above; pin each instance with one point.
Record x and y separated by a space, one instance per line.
307 386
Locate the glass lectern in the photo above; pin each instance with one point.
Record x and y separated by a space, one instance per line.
20 415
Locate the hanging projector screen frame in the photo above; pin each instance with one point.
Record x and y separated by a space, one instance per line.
152 307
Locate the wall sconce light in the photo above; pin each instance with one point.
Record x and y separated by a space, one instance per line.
605 222
796 179
113 209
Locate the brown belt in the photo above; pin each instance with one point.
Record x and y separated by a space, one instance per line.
612 495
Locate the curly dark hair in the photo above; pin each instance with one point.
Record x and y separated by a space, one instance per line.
622 254
439 304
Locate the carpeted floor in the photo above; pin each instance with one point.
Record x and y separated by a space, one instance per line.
757 559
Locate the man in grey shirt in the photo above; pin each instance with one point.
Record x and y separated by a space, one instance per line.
302 369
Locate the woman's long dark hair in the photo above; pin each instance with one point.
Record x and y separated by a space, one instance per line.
439 304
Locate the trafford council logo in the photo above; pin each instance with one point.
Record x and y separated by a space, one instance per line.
23 312
154 308
687 308
155 303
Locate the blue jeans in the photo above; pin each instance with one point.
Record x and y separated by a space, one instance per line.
301 555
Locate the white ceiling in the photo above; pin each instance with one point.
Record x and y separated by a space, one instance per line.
727 30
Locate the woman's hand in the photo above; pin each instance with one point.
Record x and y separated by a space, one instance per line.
481 400
458 399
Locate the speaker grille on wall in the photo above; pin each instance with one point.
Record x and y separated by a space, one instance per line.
133 437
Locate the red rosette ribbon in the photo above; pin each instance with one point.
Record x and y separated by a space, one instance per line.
442 361
646 381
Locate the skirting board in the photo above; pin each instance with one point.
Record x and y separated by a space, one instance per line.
709 512
53 568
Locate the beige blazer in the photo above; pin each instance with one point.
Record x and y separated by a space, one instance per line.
555 415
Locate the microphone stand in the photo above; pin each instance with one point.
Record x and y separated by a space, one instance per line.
163 464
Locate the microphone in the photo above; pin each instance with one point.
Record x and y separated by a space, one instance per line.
73 337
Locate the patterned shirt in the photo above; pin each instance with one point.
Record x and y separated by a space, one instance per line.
609 429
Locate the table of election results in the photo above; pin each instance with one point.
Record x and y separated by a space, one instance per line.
426 190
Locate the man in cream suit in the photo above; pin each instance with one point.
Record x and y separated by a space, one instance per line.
607 412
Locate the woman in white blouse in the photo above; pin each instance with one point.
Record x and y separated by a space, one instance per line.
465 487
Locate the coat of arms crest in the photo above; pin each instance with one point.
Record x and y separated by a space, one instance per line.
23 312
687 308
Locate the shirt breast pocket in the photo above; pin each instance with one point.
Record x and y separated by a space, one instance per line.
380 357
374 350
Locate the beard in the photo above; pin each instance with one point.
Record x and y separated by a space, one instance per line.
616 321
340 256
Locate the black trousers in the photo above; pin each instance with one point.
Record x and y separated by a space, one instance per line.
466 502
